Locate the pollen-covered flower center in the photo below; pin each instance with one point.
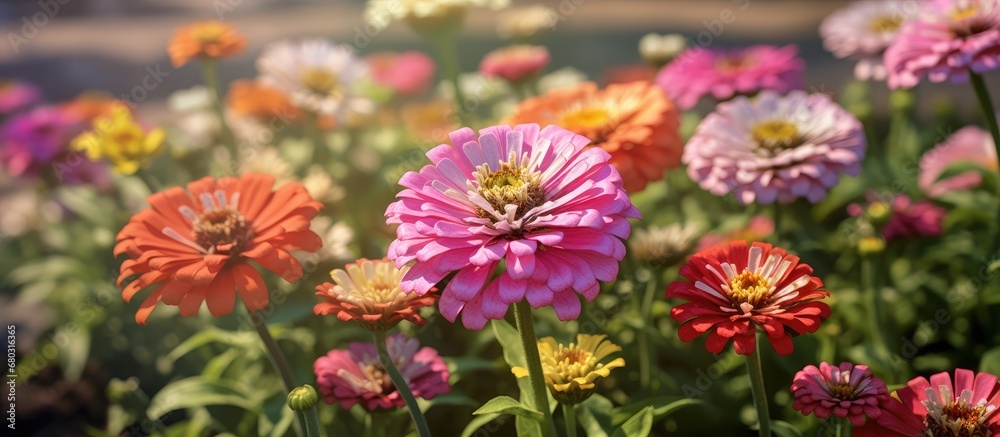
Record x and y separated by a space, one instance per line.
734 63
586 117
320 81
375 293
208 33
969 20
572 362
776 135
222 230
842 391
959 419
378 377
886 24
749 288
510 185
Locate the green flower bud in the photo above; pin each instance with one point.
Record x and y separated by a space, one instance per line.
302 398
869 246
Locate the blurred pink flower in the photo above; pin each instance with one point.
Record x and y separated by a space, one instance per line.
725 73
940 408
757 229
970 144
30 141
356 376
514 63
551 209
847 391
906 219
862 30
407 73
775 148
946 40
17 95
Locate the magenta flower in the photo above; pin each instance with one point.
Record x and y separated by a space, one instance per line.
970 144
940 408
847 391
775 148
17 95
552 211
514 63
945 41
406 73
725 73
862 30
356 376
906 219
30 141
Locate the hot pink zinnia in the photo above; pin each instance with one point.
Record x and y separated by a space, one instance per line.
407 73
945 41
355 375
940 408
847 391
515 63
862 30
970 144
30 141
17 95
907 219
539 202
724 73
775 148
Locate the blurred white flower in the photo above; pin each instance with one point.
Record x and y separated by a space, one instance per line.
526 22
381 12
658 50
561 78
21 210
664 244
321 186
476 87
195 121
267 160
337 238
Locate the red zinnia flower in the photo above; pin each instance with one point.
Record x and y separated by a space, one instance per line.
736 287
198 243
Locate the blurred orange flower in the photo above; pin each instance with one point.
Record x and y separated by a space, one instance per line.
197 244
90 105
636 123
368 292
261 101
204 40
431 121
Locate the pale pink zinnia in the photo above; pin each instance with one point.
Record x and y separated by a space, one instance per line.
539 202
406 73
946 40
775 148
515 63
964 406
846 391
355 375
970 144
862 30
725 73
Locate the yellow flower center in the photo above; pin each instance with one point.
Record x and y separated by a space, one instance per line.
208 33
378 292
750 288
586 117
970 11
842 391
378 377
959 419
321 81
776 135
886 24
571 362
222 230
510 185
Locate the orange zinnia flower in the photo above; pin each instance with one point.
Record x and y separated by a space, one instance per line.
369 293
205 40
263 102
198 243
636 123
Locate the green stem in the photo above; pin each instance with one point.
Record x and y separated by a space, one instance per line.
321 152
447 48
877 328
404 390
991 118
311 422
647 358
757 388
211 79
569 416
526 327
278 361
840 427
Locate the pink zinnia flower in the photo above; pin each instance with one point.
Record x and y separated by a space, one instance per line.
32 140
406 73
847 391
736 288
550 209
906 219
970 144
515 63
17 95
967 407
775 148
862 30
946 40
724 73
355 375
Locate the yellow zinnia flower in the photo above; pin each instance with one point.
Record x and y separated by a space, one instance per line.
572 372
120 140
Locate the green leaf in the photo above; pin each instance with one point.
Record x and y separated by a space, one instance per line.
662 407
594 416
75 350
478 422
990 363
638 426
507 405
784 429
195 392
